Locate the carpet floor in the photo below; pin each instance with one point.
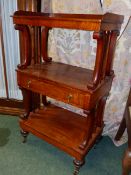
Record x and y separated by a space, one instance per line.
37 157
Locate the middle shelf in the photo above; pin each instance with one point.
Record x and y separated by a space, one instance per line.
64 74
63 82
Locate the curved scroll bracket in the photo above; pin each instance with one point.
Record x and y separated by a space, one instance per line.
99 60
100 111
44 45
111 50
106 42
26 46
90 119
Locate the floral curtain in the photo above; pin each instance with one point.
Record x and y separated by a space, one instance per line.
76 48
122 67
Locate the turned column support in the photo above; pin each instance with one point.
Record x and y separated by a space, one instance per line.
90 120
111 50
98 63
26 46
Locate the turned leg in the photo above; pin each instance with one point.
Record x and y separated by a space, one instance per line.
24 135
78 164
27 101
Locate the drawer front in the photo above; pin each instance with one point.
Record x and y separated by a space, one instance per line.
68 95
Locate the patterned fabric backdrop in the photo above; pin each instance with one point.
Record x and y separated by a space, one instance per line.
77 48
73 47
122 67
70 46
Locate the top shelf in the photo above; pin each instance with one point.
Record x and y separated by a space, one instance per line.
108 21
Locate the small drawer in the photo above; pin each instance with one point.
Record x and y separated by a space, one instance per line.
65 94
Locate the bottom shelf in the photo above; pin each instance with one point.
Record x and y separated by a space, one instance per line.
61 128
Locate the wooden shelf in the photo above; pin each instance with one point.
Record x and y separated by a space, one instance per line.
65 80
70 127
60 73
58 126
69 21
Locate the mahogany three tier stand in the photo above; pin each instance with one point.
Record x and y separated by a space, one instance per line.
80 87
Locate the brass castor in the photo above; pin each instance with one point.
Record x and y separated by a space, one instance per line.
24 135
78 164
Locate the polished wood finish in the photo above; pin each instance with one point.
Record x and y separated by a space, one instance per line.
65 85
126 123
34 39
83 88
11 107
70 21
30 5
105 40
26 45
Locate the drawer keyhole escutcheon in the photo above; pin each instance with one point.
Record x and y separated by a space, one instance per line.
69 97
28 84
